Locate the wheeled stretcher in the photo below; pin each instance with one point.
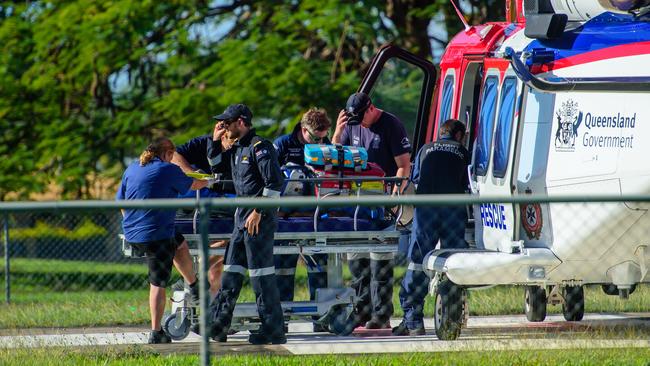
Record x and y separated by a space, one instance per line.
306 236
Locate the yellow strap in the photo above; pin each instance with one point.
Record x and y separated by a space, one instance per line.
196 175
257 143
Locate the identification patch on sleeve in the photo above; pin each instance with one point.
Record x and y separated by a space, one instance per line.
262 152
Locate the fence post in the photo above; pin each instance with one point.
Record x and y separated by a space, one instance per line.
7 276
204 244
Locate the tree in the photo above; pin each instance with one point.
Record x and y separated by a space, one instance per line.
85 83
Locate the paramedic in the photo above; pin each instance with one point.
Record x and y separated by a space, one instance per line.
312 129
448 158
255 173
193 155
152 231
385 138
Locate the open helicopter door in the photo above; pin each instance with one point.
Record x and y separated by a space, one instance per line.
493 159
402 83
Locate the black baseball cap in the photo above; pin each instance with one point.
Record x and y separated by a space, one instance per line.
357 103
235 111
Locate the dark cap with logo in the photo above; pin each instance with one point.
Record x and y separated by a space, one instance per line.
357 103
235 111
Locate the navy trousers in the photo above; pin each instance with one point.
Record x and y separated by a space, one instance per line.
430 224
256 252
372 280
285 271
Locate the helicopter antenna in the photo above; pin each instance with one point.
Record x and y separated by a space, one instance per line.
460 15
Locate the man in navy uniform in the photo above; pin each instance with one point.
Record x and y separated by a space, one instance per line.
439 168
384 137
312 129
193 155
255 173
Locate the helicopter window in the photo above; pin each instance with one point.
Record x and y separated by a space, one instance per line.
486 124
447 97
504 126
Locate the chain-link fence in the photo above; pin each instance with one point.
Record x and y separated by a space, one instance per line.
334 266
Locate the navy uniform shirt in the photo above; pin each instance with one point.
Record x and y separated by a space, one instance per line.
384 140
441 167
290 149
157 179
197 152
255 171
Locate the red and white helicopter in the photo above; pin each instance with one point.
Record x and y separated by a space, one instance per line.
556 102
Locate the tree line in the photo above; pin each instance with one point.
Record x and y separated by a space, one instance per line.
85 83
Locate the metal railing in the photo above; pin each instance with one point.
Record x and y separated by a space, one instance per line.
204 206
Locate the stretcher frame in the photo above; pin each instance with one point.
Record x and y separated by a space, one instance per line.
333 306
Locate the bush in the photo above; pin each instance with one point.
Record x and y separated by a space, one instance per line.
86 230
87 241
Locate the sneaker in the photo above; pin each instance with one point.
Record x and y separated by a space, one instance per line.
375 323
402 330
178 285
158 336
261 338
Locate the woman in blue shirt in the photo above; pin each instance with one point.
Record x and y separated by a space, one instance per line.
152 231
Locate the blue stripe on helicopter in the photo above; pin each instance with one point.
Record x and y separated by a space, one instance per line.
604 31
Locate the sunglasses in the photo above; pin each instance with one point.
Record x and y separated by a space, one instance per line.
228 122
314 138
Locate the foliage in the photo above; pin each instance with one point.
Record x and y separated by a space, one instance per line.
84 231
85 83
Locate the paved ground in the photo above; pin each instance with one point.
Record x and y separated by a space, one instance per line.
482 333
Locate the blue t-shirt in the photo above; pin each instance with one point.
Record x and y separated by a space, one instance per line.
157 179
384 140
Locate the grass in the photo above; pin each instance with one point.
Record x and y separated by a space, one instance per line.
54 293
139 356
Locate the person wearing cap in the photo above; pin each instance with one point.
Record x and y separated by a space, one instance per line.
312 129
383 135
255 173
151 232
449 159
193 156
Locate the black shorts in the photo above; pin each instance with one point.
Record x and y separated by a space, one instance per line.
160 258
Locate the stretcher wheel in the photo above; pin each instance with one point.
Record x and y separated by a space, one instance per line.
573 307
341 321
535 303
177 329
448 314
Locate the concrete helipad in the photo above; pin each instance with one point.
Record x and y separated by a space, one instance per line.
482 333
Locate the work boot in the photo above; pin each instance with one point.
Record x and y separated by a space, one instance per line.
221 337
262 338
319 328
402 330
375 323
361 320
158 336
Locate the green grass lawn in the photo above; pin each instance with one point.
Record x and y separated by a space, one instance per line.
51 293
138 356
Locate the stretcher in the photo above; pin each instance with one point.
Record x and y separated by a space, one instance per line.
305 236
